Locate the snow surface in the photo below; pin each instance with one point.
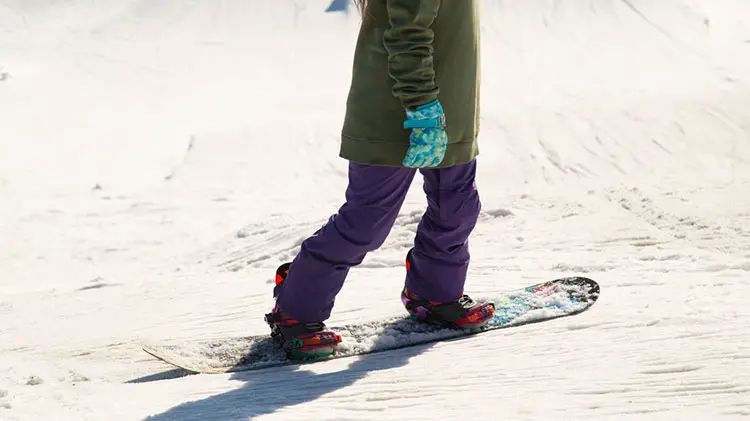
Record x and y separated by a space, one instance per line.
159 159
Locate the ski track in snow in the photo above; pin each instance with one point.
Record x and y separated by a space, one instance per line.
151 182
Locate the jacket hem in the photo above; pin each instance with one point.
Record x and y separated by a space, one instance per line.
391 154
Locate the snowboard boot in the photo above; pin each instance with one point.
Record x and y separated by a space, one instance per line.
463 313
299 340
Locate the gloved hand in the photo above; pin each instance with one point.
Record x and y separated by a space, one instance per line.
428 139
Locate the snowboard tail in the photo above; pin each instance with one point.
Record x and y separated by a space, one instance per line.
536 303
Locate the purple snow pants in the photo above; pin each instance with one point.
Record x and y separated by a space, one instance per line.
374 197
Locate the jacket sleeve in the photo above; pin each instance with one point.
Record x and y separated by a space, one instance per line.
408 41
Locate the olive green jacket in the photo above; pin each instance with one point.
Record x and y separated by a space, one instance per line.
410 52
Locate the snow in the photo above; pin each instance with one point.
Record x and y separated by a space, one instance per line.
158 160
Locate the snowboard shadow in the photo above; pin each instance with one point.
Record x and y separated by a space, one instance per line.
266 391
164 375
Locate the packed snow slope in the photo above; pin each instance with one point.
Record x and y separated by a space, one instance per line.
159 159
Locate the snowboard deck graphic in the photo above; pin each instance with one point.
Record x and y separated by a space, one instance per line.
536 303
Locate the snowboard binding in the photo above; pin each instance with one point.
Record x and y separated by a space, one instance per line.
300 341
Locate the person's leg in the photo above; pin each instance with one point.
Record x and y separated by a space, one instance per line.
439 261
373 199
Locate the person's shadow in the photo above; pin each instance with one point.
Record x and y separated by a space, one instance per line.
268 390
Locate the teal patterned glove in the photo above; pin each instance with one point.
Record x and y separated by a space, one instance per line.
428 140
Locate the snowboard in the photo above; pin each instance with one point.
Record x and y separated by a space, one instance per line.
535 303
